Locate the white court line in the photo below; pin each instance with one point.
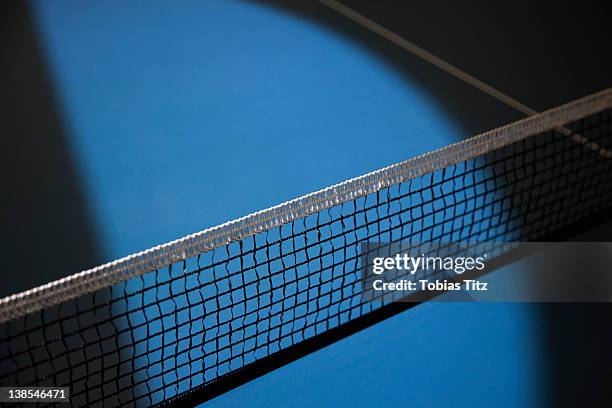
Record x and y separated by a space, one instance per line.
451 69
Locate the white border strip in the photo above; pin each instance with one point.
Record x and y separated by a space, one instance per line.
18 305
426 55
451 69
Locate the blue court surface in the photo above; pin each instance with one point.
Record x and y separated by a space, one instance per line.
181 117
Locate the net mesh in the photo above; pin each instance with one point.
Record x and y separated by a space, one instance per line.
197 322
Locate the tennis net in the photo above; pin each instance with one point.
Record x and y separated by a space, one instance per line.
200 315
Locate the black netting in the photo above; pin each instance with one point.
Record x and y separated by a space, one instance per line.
197 323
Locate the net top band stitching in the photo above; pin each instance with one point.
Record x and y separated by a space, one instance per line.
70 287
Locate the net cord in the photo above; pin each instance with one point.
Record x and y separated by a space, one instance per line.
73 286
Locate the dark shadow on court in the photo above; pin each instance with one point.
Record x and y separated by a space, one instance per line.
474 111
46 228
46 232
543 53
576 339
